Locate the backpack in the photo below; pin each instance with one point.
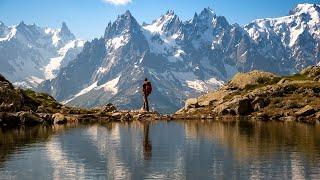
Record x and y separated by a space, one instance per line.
148 88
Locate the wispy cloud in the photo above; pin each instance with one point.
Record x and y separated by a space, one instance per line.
117 2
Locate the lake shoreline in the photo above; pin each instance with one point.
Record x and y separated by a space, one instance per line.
256 95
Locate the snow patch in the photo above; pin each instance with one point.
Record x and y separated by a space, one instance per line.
192 81
55 63
117 41
54 33
83 91
288 27
10 35
111 86
157 26
34 80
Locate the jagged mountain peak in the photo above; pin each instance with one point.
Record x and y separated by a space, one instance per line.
305 8
170 12
127 14
125 23
168 23
65 33
21 25
31 32
206 16
207 13
64 27
34 53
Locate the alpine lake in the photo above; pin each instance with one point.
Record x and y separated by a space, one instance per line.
189 149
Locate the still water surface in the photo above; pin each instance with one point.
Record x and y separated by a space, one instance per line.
162 150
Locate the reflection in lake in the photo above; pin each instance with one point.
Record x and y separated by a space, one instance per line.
147 147
174 150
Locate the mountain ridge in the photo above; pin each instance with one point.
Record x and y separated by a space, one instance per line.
31 54
184 59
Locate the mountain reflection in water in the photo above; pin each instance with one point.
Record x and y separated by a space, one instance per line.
161 150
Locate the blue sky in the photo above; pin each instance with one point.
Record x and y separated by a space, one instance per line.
88 18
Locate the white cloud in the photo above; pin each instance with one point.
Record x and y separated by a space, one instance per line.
117 2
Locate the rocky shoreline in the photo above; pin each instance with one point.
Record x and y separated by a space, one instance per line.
26 107
262 96
256 95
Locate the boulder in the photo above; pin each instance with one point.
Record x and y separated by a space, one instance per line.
191 111
41 109
9 119
59 118
30 118
221 109
3 80
262 116
318 116
109 108
137 116
11 99
116 116
5 107
244 107
191 103
243 80
180 111
259 102
126 117
305 111
46 117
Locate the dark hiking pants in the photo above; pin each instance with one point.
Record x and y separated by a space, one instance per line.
145 102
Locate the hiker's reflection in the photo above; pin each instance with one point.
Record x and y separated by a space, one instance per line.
147 146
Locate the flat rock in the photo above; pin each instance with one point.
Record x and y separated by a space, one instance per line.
305 111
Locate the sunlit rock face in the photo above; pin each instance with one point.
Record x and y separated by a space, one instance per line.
183 59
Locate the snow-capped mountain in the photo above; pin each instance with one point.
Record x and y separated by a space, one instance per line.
292 40
183 58
30 54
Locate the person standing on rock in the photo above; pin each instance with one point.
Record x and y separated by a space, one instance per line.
146 90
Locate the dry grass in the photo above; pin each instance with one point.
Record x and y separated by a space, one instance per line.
243 80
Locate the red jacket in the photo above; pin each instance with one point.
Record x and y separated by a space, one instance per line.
147 88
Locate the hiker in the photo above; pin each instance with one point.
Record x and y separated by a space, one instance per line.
146 90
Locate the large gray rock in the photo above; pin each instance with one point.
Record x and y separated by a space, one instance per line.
59 118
